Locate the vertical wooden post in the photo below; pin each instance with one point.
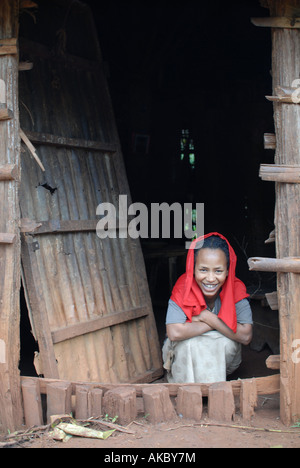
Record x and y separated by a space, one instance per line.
286 69
11 412
59 398
33 412
248 398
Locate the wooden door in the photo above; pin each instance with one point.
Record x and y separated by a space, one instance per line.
88 297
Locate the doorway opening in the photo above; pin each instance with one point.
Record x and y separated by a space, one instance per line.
29 346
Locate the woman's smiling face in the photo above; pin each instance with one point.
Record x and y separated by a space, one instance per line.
210 271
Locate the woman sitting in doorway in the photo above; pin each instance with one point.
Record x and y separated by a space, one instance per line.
209 316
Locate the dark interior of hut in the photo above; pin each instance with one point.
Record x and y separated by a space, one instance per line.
188 81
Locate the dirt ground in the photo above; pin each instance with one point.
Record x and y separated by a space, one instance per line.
264 431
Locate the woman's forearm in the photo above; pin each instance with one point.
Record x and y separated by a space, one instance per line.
207 321
243 333
184 331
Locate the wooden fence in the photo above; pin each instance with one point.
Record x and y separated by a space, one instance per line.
158 402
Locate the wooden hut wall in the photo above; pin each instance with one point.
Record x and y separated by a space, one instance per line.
284 22
88 297
10 394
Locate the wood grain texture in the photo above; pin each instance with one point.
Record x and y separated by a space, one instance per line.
285 69
11 412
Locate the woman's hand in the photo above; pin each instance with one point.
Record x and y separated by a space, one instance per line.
208 317
243 333
202 317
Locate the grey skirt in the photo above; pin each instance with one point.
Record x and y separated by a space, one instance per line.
203 359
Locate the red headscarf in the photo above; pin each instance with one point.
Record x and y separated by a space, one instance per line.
189 297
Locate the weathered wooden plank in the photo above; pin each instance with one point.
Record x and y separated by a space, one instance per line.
99 323
8 46
9 41
271 237
25 66
273 362
58 226
5 113
269 141
6 238
28 4
8 50
280 173
8 172
272 299
39 314
56 140
28 225
269 385
286 95
283 99
11 412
